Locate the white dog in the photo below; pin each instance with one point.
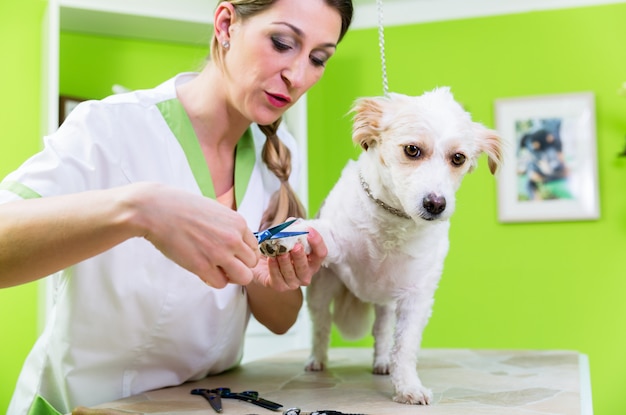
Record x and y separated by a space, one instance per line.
386 223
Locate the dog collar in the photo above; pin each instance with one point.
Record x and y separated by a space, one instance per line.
379 202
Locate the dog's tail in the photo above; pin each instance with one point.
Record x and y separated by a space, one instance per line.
352 316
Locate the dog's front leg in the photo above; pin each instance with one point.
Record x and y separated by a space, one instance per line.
319 295
382 332
412 314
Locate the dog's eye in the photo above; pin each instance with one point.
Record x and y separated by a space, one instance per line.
412 151
458 159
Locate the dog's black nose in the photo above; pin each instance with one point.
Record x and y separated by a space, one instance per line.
434 204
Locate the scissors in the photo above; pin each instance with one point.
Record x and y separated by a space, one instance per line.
297 411
214 398
275 232
247 396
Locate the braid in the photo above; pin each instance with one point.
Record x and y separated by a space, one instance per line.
284 203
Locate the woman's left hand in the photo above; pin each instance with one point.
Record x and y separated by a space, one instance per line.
294 269
274 294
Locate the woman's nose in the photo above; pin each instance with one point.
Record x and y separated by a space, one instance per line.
295 73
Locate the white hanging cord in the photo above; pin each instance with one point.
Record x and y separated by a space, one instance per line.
381 45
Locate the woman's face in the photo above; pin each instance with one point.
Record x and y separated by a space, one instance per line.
277 55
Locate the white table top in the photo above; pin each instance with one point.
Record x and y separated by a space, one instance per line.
476 382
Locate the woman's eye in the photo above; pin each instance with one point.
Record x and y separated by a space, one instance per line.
279 44
412 151
458 159
317 61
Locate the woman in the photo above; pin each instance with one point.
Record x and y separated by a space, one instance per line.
136 193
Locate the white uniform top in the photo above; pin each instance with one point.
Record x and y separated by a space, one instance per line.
131 320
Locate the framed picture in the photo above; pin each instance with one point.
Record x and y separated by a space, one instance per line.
549 171
66 105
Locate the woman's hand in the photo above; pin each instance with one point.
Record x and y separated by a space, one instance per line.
199 234
274 295
295 268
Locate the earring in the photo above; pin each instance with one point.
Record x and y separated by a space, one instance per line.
226 44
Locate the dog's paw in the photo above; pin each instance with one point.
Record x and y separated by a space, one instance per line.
416 396
314 365
381 368
275 247
279 246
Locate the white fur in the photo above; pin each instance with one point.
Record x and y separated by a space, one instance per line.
382 260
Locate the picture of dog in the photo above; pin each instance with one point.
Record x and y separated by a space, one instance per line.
542 167
385 223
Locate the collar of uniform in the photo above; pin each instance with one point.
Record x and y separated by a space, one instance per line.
180 125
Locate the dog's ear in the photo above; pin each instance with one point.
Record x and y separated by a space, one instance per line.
368 113
490 143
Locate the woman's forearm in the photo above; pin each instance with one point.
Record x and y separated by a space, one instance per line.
41 236
277 311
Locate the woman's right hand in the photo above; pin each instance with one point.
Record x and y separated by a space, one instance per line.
197 233
41 236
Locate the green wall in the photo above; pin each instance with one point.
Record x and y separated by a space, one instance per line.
20 47
538 286
91 65
510 286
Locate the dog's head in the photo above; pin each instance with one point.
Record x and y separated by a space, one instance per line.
418 149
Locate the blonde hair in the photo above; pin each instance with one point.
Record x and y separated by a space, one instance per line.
284 203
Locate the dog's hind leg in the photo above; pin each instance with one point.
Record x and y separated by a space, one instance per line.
319 295
383 337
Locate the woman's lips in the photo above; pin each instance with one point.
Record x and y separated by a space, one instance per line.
278 100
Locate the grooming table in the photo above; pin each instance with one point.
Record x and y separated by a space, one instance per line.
463 381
